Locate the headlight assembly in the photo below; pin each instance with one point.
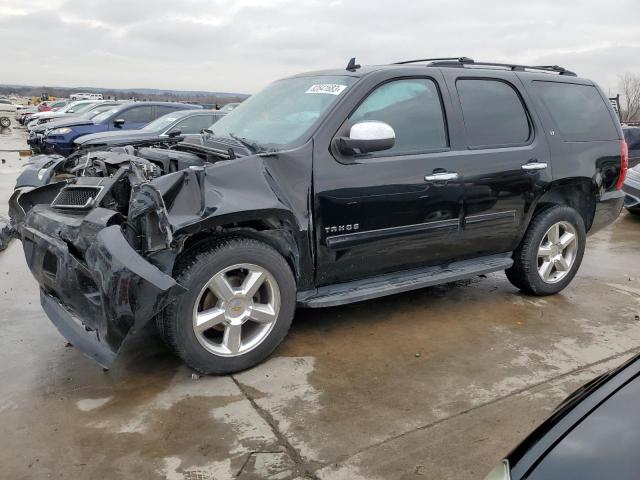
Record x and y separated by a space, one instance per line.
59 131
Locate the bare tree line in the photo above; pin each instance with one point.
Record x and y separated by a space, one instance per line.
629 85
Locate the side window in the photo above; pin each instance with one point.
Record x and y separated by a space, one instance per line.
164 109
493 113
194 124
137 114
578 111
413 109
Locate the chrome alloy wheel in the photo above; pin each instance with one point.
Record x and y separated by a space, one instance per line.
236 310
557 252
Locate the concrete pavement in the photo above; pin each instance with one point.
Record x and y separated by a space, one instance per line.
434 384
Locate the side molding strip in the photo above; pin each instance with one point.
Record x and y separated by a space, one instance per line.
347 240
490 217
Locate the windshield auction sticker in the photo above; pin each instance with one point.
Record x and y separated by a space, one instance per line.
330 88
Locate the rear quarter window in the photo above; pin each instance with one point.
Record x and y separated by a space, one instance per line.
579 111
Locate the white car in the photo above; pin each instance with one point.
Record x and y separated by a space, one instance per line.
71 108
7 109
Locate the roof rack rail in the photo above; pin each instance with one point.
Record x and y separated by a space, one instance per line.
456 59
461 62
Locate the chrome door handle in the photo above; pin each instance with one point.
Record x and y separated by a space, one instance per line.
534 166
439 177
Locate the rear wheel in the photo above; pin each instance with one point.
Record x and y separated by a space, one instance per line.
238 307
634 211
5 122
550 253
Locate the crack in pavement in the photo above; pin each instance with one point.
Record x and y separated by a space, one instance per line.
304 468
485 404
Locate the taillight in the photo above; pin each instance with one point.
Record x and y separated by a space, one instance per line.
624 163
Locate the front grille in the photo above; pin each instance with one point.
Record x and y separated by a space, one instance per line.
76 197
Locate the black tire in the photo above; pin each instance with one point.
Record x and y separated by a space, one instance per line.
634 211
195 269
5 122
524 272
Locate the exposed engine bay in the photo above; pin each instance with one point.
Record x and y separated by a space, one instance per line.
154 162
102 178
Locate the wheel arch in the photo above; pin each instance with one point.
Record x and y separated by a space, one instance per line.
279 231
578 193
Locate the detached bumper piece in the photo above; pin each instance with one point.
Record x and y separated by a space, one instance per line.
97 301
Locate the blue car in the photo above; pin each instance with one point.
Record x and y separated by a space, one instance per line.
130 116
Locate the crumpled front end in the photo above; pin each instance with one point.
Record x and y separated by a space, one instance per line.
97 297
103 246
96 287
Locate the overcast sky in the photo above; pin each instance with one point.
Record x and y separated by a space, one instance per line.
241 45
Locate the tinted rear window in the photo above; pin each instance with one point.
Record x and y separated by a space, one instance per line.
579 112
493 113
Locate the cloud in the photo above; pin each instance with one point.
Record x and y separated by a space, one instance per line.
240 45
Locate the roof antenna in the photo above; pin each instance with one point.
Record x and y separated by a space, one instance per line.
352 66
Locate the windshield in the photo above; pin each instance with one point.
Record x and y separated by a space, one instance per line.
83 107
280 114
68 108
160 123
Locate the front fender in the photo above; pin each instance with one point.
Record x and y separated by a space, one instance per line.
268 194
39 171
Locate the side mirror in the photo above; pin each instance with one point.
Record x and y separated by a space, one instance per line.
174 133
366 137
118 122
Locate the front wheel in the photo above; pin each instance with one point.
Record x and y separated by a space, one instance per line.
238 308
5 122
550 253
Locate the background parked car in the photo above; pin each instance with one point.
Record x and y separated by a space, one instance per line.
229 107
631 188
69 109
183 124
25 114
35 140
47 106
131 116
7 109
593 435
632 137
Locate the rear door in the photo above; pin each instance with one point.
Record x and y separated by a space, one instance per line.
503 154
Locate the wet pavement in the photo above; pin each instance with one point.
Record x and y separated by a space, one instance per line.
434 384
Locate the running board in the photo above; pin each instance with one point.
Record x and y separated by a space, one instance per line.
404 281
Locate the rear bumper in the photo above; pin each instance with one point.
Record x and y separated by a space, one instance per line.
95 302
608 208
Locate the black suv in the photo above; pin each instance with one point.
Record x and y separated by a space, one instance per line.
323 189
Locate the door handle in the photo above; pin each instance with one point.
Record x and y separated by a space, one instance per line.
531 166
441 176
